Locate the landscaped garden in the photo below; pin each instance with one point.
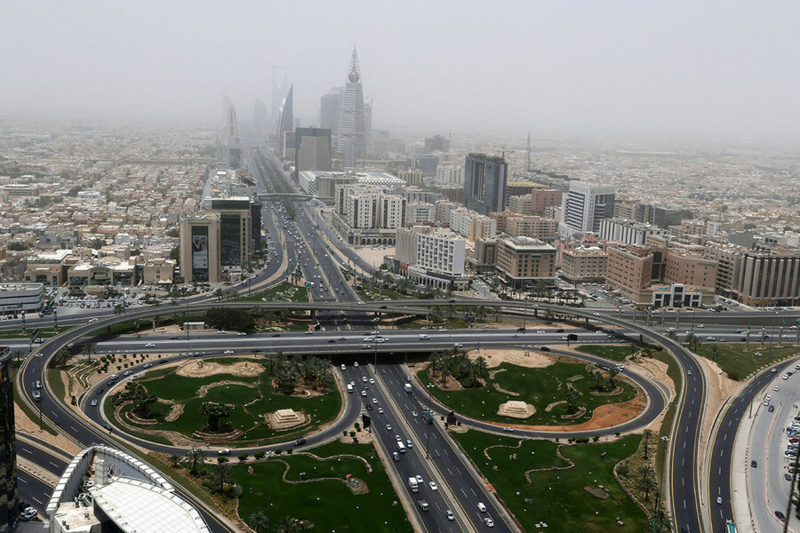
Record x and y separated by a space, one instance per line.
562 391
738 361
566 487
238 401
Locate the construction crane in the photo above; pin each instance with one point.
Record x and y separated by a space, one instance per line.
504 152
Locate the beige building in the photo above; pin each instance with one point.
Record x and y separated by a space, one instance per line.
541 199
411 177
484 255
661 276
532 226
158 271
520 204
523 261
200 249
584 264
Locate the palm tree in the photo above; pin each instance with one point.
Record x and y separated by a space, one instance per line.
219 293
647 480
662 523
570 396
481 364
258 521
18 355
672 334
88 350
646 437
693 341
221 475
194 455
61 357
288 524
480 313
713 352
175 459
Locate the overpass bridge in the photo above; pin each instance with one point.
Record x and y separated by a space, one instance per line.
291 196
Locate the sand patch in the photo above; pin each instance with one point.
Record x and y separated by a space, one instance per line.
526 358
598 491
174 412
201 369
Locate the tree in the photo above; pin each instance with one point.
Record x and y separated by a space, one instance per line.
481 365
61 357
570 395
221 474
258 521
693 341
648 433
672 334
194 455
175 459
88 350
647 480
713 352
612 373
662 522
287 524
216 414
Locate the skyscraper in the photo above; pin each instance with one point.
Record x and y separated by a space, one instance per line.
352 124
485 183
8 452
260 118
585 205
330 107
313 149
286 119
279 83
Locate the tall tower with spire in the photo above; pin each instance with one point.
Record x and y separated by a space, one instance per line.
285 119
352 136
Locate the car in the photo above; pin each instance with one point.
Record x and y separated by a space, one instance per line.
364 379
780 516
355 364
222 332
775 388
388 427
481 507
508 429
433 486
396 456
331 341
28 514
774 370
409 444
150 345
342 338
457 345
771 408
344 367
413 413
148 365
369 407
241 334
719 500
767 397
224 451
398 438
419 479
787 477
99 391
371 381
363 393
380 410
299 442
127 373
489 522
374 400
754 464
276 334
450 515
688 372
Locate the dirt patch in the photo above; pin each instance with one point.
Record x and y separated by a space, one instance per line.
617 390
575 416
553 406
203 391
374 257
201 369
174 413
597 491
357 486
719 388
25 425
498 388
527 358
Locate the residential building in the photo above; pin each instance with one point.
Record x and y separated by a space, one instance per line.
432 256
312 149
352 136
454 193
582 265
450 174
412 177
532 226
125 494
200 248
518 187
485 183
419 213
443 210
158 271
524 261
767 277
9 512
627 231
365 215
543 198
624 210
471 224
520 204
585 205
484 255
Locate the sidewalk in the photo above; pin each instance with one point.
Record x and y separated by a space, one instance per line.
739 476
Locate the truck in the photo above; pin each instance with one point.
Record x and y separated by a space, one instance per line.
349 388
423 505
408 387
413 485
427 416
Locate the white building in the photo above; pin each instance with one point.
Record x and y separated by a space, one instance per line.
627 231
420 213
450 174
432 257
125 495
585 205
21 297
367 215
472 224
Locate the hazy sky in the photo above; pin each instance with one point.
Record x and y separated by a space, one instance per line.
722 69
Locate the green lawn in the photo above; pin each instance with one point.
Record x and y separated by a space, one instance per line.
537 386
557 497
169 386
283 292
738 363
327 503
614 353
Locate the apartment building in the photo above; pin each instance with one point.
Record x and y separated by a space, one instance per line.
520 204
524 261
532 226
450 174
471 224
420 213
582 265
543 198
431 256
443 210
627 231
366 215
411 177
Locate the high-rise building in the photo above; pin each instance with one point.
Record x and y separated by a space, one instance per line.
9 514
437 143
285 120
229 144
351 139
428 164
235 231
433 257
449 174
541 199
313 149
330 107
485 183
200 249
585 205
367 126
517 188
279 84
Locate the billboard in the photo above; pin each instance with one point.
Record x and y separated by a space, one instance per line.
200 252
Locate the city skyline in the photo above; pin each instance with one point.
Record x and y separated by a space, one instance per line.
682 70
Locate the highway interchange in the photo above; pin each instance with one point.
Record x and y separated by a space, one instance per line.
297 242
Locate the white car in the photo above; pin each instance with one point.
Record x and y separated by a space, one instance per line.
363 393
374 400
433 486
150 345
419 479
228 352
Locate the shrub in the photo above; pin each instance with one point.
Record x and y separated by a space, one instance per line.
596 438
352 433
242 457
358 426
278 451
222 459
290 450
259 455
